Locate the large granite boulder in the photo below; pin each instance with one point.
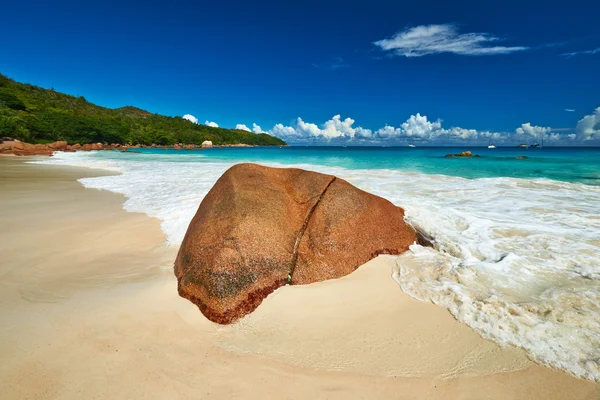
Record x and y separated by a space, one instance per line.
259 228
58 146
26 149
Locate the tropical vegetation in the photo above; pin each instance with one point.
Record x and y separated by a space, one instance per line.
36 115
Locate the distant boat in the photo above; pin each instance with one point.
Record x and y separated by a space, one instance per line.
522 146
411 145
535 146
491 146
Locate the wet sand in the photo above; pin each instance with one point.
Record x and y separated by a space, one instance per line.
89 309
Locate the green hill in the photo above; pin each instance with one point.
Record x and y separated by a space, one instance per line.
36 115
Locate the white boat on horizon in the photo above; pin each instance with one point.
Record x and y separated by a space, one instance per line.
411 145
491 146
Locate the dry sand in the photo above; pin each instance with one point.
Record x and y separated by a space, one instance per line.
89 309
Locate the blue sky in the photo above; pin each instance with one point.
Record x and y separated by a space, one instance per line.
425 71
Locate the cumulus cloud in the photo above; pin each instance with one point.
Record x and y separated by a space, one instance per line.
424 40
256 128
191 118
210 123
419 128
286 132
335 128
416 126
242 127
388 132
531 131
527 132
459 133
588 128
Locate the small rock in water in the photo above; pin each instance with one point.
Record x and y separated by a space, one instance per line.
464 154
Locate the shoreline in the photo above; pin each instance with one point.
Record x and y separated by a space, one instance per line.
19 148
89 305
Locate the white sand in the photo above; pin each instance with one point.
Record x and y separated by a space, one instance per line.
89 309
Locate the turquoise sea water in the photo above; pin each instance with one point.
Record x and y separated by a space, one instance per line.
564 164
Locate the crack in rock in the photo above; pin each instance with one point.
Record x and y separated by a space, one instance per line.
302 229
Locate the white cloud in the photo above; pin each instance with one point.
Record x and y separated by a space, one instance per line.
527 131
256 128
285 132
418 128
191 118
569 110
242 127
210 123
588 128
388 132
335 128
433 39
593 51
468 134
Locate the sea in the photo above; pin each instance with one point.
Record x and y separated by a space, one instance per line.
516 252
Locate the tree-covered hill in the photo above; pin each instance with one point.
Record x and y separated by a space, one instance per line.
33 114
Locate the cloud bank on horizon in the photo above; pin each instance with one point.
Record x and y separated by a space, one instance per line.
418 128
425 40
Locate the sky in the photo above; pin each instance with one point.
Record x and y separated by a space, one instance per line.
326 72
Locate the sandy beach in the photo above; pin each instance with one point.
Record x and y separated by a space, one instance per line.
89 309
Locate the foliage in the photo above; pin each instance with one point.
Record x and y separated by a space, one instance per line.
12 125
9 100
4 81
31 113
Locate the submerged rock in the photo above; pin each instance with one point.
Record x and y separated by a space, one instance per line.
259 228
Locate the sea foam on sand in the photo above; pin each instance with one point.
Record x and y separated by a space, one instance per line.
517 260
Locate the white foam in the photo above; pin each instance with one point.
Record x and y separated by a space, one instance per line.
517 260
